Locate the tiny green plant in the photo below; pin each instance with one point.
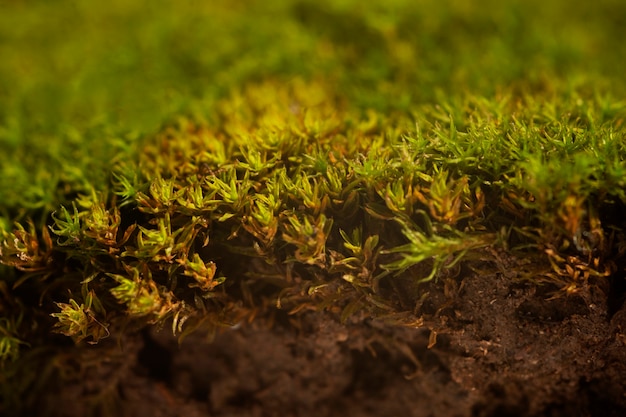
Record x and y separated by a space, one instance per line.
320 169
320 217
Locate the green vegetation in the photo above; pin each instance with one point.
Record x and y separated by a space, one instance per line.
197 164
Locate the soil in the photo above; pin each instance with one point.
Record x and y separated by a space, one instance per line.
487 344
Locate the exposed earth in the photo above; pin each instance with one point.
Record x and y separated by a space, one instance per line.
487 344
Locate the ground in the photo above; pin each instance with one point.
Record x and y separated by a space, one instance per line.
487 344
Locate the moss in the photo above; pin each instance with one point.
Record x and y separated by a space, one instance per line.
195 172
325 203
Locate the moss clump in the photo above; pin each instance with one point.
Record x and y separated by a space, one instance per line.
349 156
294 200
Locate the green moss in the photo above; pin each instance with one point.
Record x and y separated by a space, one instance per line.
323 200
184 162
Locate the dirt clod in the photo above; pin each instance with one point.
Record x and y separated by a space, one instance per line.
498 348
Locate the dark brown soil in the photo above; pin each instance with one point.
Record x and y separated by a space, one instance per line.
489 345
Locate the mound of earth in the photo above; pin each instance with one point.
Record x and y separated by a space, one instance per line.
486 345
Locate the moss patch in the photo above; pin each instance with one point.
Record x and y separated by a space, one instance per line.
201 165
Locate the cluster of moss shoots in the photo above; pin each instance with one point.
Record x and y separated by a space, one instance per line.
290 200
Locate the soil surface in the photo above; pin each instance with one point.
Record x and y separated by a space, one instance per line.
486 344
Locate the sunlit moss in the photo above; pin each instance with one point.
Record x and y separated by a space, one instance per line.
185 162
295 192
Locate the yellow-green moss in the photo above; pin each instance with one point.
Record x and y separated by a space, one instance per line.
194 162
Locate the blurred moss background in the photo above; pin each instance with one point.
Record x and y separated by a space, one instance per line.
82 81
